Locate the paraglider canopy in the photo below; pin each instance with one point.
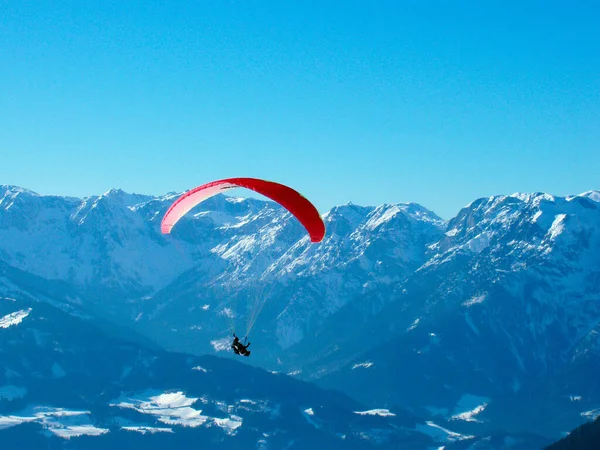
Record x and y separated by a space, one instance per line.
287 197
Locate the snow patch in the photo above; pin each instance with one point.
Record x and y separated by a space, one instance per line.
227 312
376 412
558 226
366 365
592 195
469 416
452 232
309 415
592 414
229 424
474 300
441 434
414 324
143 429
200 369
380 216
60 422
78 430
221 345
175 408
172 408
468 407
14 318
478 243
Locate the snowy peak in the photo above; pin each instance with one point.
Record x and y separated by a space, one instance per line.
386 213
10 193
125 199
114 238
533 198
7 189
342 220
592 195
361 235
530 222
107 209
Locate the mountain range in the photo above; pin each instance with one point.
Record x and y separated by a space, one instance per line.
484 328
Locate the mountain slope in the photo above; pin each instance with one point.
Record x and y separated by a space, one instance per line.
66 384
584 437
303 286
506 311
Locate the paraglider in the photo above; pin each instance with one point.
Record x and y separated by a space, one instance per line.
302 209
287 197
239 348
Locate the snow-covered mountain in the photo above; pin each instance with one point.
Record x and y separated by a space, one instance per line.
228 256
97 242
504 317
296 286
477 324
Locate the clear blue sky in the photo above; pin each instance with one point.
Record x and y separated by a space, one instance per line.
365 101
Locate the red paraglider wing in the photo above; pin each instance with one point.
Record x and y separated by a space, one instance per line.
287 197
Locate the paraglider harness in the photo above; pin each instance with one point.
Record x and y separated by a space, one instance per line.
239 348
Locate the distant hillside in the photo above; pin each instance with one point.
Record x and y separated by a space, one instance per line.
584 437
